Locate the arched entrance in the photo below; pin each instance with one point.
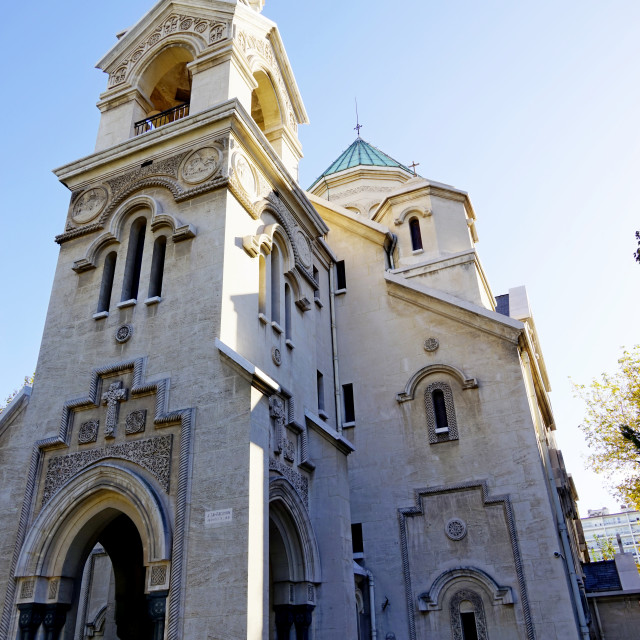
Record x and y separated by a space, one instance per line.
294 565
110 512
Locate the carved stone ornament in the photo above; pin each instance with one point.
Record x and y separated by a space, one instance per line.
88 432
431 344
124 333
456 529
478 609
276 355
244 174
158 576
27 589
53 589
299 482
304 248
290 451
89 205
135 422
112 398
153 454
201 164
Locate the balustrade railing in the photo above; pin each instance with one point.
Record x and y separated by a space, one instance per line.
160 119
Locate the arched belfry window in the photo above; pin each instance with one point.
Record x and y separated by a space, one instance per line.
106 286
133 265
157 267
262 286
416 236
468 621
265 107
441 416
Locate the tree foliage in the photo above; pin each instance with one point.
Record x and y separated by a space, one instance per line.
606 548
28 381
612 426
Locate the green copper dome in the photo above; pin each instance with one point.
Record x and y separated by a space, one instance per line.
357 154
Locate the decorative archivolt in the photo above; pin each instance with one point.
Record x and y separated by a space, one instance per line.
192 32
71 517
433 599
288 511
419 211
412 383
158 219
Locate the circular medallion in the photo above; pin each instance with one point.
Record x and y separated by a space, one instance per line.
154 38
276 355
304 248
201 27
186 24
244 174
456 529
431 344
200 165
124 333
89 205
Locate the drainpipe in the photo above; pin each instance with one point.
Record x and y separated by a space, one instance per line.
567 556
390 242
372 604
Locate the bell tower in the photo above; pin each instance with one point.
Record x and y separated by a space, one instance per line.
182 445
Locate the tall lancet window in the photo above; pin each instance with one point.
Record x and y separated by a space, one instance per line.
275 284
157 267
262 287
134 260
287 311
106 286
441 415
416 236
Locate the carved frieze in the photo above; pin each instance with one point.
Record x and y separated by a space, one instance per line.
299 482
211 30
153 454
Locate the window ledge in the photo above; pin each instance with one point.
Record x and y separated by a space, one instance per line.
127 303
276 327
416 252
153 300
445 430
358 555
349 425
318 303
323 414
101 315
263 318
290 344
340 292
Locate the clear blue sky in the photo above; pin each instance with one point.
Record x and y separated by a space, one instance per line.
532 107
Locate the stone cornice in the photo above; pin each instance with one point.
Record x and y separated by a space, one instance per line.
455 309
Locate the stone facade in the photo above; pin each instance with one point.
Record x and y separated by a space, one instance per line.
210 330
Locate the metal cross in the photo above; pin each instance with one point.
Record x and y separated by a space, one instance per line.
413 166
357 128
112 399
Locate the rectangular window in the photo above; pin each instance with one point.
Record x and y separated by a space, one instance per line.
356 538
316 291
347 400
341 275
320 385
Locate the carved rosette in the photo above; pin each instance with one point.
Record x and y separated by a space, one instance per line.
200 165
89 204
88 432
135 422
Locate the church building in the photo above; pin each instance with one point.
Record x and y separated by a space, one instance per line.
265 413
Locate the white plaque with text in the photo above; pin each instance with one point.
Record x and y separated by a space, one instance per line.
221 516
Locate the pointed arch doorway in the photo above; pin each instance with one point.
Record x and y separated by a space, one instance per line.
294 564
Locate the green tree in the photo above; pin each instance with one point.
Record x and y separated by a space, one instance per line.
612 426
606 548
28 381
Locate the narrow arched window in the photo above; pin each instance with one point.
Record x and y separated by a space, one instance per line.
134 260
157 267
275 284
441 416
106 286
416 236
287 311
439 410
262 285
468 620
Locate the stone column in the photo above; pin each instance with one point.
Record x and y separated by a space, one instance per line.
302 618
157 607
30 619
284 620
55 615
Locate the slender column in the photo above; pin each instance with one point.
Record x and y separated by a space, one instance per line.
55 615
157 607
302 618
30 620
284 620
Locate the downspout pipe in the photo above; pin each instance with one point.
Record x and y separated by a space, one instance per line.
567 555
372 605
390 242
